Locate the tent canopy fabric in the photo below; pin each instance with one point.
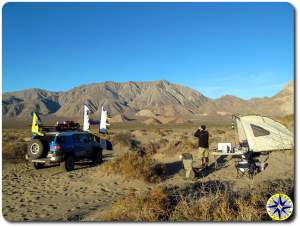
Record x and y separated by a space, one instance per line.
263 134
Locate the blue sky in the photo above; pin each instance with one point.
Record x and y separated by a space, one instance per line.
242 49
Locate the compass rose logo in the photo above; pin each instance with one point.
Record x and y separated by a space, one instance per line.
279 207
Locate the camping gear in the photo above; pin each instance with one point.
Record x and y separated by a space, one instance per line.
260 134
191 164
246 165
224 147
187 161
261 165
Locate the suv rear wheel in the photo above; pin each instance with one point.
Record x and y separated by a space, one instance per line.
36 149
69 163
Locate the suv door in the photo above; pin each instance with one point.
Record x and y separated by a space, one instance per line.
94 145
86 145
80 145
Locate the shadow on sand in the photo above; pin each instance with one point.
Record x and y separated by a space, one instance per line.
176 167
220 163
173 168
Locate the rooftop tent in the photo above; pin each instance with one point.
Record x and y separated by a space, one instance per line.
263 134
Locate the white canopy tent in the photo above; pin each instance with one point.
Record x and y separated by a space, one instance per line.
263 134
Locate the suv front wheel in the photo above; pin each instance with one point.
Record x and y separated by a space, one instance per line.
69 163
97 157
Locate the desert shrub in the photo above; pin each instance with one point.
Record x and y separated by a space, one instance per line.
14 152
161 133
251 208
288 121
208 208
126 139
158 131
134 145
278 186
219 207
10 138
169 131
223 204
134 166
152 147
149 149
163 142
14 146
208 201
219 131
122 138
152 206
181 144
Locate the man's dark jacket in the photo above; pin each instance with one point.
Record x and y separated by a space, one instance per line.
203 138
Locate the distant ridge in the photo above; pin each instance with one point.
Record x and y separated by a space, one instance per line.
133 100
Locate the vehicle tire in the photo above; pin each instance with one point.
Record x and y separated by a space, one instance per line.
38 165
97 158
100 156
36 149
69 163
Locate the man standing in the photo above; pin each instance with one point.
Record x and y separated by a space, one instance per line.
203 137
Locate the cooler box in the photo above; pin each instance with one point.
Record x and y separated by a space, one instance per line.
224 147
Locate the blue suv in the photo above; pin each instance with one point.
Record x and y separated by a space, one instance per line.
67 147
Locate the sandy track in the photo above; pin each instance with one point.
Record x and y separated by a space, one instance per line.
51 194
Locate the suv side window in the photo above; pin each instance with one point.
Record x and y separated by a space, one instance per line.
91 137
76 138
84 138
60 139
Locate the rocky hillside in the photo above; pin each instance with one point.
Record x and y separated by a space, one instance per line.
158 99
278 105
22 103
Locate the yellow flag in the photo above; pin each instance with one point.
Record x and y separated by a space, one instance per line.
35 125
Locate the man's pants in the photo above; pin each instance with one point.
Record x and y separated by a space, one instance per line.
203 155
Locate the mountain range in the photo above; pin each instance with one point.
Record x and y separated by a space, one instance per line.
156 100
